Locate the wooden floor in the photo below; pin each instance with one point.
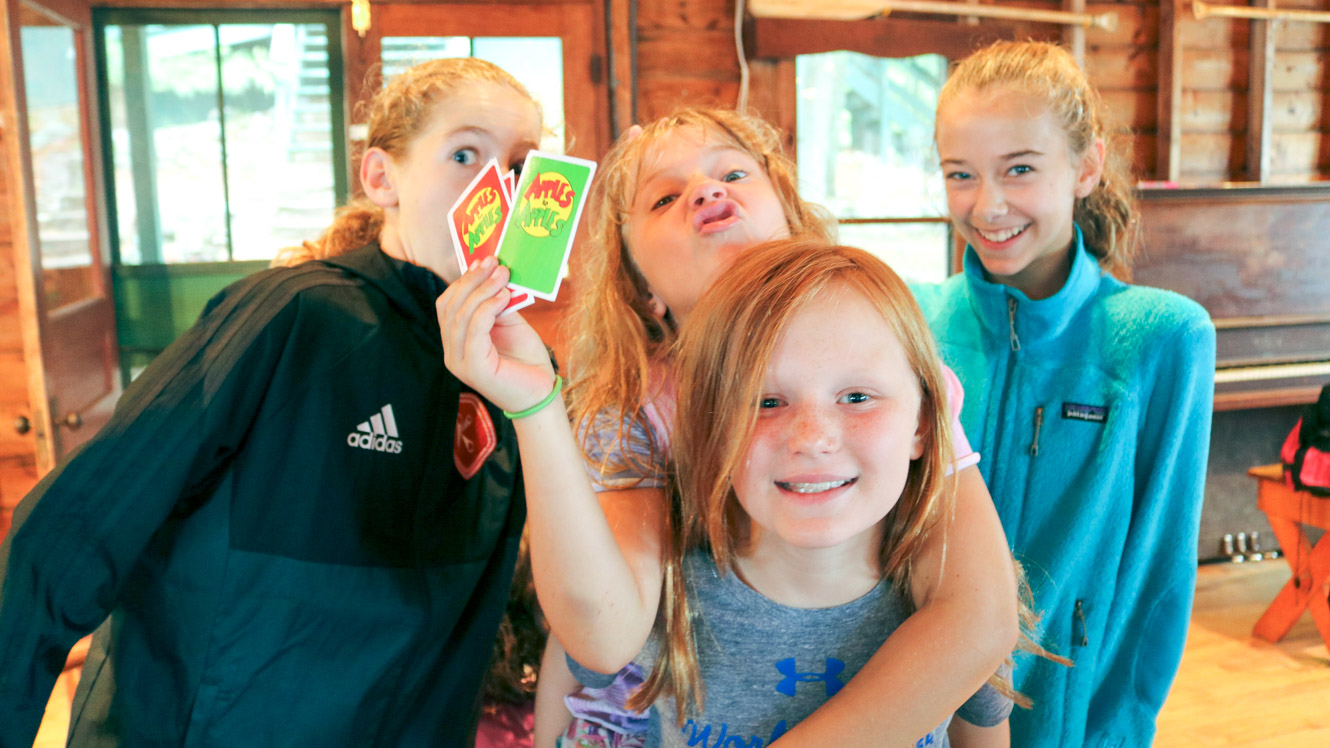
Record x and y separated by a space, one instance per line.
1232 690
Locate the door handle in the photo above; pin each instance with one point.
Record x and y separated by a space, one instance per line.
22 425
72 420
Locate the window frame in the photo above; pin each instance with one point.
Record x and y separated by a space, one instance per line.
330 18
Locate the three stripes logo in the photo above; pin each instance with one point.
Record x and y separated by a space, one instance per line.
379 433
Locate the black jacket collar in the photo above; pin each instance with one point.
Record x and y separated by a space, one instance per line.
410 288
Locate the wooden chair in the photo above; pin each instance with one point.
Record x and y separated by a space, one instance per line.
1290 512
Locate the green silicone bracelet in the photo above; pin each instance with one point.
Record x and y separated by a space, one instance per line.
558 387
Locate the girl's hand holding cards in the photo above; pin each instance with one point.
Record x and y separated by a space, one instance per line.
502 358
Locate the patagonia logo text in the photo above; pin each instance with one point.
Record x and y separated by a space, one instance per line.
1079 412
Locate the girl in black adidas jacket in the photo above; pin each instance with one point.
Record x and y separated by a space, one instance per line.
299 528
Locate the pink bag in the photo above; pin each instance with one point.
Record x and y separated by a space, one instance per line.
1306 451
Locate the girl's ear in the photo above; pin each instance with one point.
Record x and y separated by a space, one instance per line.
376 177
657 307
917 448
1092 168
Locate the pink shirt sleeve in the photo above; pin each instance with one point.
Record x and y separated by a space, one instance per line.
963 454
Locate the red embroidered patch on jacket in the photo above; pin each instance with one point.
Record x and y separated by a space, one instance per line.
474 439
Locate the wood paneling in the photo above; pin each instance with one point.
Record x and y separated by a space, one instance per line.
688 54
891 36
1116 71
685 15
658 97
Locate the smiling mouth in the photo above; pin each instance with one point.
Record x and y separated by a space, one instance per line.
997 237
819 487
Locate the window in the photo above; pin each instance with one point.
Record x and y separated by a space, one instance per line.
225 131
535 61
865 151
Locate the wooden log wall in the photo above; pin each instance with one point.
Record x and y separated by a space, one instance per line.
686 53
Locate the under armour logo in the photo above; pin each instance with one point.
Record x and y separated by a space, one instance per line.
829 677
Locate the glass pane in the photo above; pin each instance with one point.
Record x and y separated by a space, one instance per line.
50 78
175 174
866 134
918 252
171 78
401 52
535 61
538 63
122 176
279 139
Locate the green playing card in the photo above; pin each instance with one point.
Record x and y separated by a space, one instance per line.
547 204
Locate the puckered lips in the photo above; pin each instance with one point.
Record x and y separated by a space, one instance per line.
818 487
1000 238
716 216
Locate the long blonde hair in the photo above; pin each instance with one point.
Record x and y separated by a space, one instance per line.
723 354
398 114
615 336
1049 74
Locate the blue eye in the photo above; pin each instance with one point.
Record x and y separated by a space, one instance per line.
734 176
1021 169
768 403
466 156
664 201
855 398
958 176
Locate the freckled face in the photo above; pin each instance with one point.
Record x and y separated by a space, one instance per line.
836 432
478 121
1012 182
701 201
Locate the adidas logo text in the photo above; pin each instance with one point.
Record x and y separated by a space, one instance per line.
378 433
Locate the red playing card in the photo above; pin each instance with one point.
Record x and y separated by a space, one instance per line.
477 220
520 300
510 181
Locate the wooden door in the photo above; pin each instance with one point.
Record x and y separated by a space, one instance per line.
585 95
52 170
584 118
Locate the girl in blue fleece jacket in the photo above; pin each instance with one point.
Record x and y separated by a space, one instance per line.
1091 398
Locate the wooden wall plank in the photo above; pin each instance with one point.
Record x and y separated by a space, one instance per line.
658 97
696 54
685 15
891 36
1215 69
1211 33
773 96
1260 90
1138 26
1109 71
1213 111
1169 130
1131 108
1144 153
1301 71
622 48
1211 157
1297 111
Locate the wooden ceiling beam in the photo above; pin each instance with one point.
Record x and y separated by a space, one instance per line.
892 36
